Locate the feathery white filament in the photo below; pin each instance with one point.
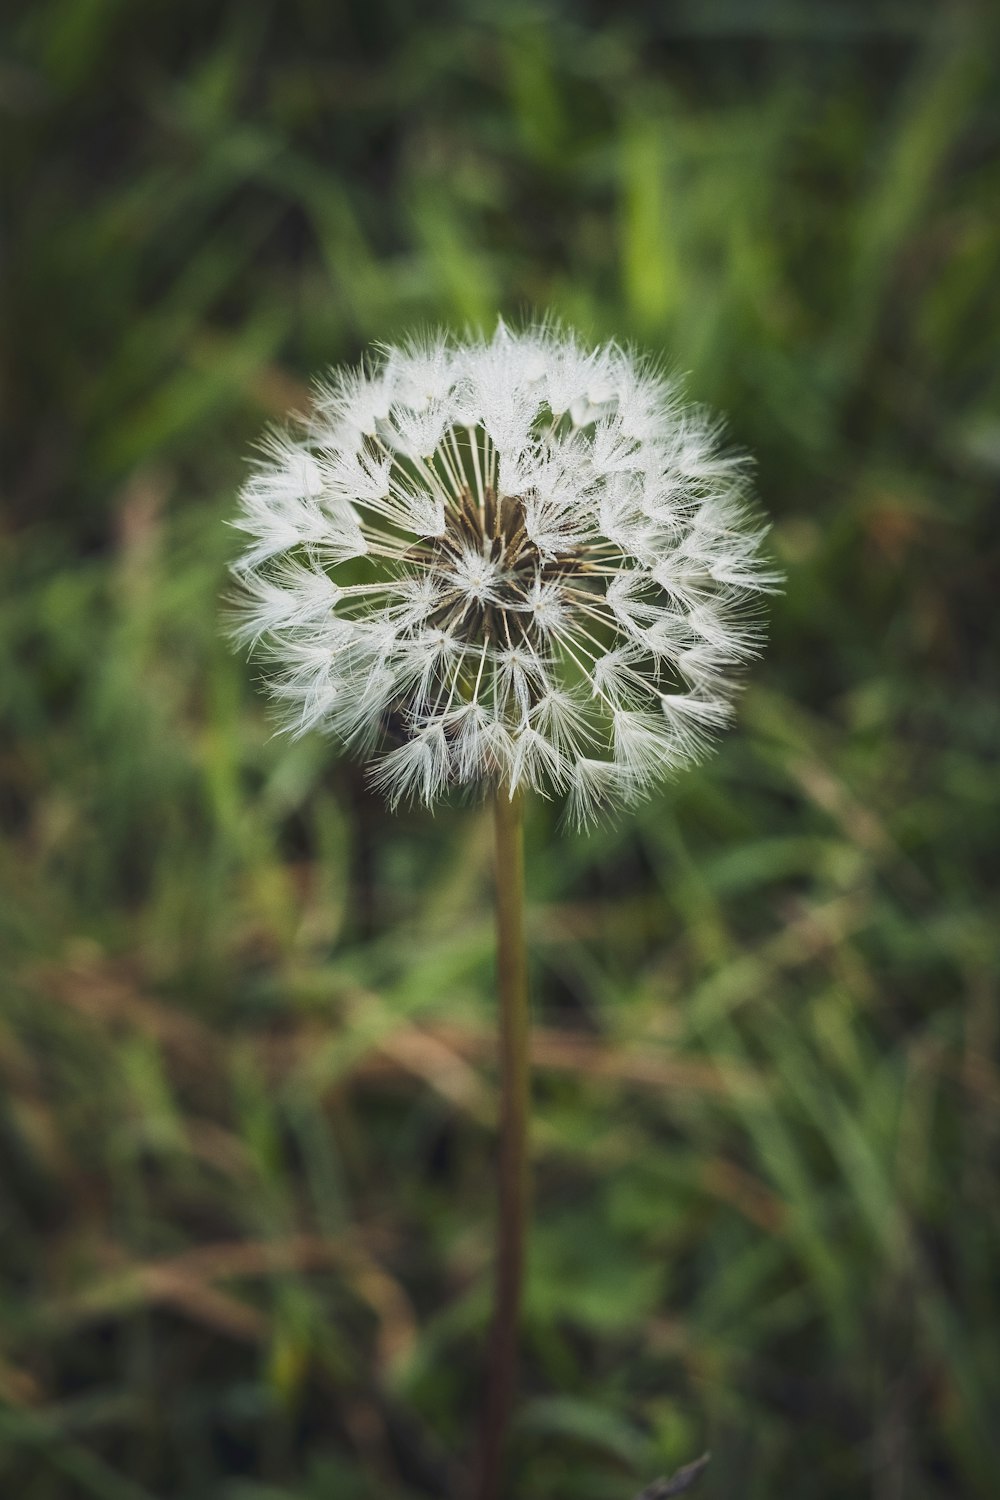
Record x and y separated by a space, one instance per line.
510 561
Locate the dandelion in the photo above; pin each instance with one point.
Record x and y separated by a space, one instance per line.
509 563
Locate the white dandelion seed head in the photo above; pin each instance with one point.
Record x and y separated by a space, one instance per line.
508 561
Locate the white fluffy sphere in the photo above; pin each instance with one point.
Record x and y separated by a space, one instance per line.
506 562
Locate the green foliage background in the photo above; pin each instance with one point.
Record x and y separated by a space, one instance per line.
246 1128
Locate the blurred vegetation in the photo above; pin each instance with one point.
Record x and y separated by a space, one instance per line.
247 1113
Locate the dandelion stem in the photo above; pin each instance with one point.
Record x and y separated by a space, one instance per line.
515 1073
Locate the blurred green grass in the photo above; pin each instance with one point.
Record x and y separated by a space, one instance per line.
247 1116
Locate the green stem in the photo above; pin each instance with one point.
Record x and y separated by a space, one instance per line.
515 1086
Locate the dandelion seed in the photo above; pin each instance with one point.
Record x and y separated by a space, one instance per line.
505 562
